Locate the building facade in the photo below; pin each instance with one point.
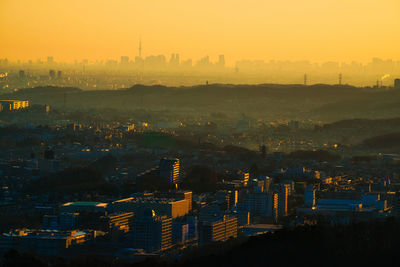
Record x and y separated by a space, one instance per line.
219 230
9 105
169 169
151 232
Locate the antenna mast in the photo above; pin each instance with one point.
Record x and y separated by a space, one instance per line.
140 47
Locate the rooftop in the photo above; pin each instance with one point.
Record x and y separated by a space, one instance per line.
85 203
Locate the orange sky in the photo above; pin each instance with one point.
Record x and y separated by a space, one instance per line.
315 30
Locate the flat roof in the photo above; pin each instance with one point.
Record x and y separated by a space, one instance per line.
84 203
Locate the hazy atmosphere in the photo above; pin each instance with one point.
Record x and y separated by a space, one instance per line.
199 133
314 30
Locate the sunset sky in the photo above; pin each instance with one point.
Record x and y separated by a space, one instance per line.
315 30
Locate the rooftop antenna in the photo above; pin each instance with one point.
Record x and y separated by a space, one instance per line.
340 79
305 79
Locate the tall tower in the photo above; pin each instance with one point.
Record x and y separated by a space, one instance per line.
305 79
140 47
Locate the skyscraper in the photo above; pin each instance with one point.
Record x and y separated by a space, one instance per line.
124 60
397 83
169 169
172 60
52 74
221 61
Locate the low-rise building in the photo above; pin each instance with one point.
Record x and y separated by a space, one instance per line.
73 207
151 232
8 105
218 230
163 206
45 242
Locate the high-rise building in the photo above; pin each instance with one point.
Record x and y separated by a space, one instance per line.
124 60
52 74
243 217
193 226
59 74
274 204
21 74
172 60
218 230
259 204
309 196
151 232
268 184
244 177
397 83
228 199
255 203
169 169
221 61
283 194
50 60
180 232
291 186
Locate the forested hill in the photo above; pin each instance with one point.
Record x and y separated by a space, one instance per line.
323 102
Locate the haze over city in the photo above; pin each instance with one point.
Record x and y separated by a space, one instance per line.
199 133
314 30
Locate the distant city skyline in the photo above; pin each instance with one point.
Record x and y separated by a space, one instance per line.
314 30
178 58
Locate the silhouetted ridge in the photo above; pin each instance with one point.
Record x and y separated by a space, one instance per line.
386 141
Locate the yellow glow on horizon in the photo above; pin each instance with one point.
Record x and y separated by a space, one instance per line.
315 30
